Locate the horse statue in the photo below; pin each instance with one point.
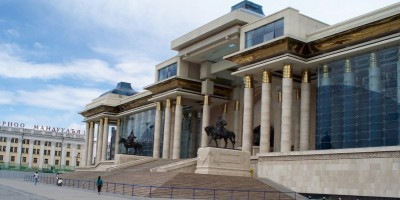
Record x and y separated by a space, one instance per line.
256 135
216 135
130 144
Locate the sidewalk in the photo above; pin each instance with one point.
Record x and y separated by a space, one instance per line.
13 189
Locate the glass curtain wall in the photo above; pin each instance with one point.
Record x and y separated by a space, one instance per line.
358 101
142 125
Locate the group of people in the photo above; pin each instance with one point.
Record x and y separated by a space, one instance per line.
99 181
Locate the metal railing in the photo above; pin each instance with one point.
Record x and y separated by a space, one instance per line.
169 191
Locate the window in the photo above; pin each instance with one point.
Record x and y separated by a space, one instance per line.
4 148
23 159
23 150
34 151
68 154
78 155
79 146
34 160
77 163
45 152
67 163
12 158
16 140
167 72
15 149
37 142
57 161
58 144
46 161
68 145
48 152
1 157
264 33
26 150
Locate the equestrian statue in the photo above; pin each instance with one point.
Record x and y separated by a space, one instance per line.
219 131
130 143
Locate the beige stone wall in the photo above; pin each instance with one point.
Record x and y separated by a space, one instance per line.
363 171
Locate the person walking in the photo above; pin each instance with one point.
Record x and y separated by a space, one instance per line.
36 177
99 184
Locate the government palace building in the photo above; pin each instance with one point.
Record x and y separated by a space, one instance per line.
316 105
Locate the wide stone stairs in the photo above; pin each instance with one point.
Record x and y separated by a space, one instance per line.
139 181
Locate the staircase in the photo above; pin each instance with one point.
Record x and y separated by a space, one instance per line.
137 179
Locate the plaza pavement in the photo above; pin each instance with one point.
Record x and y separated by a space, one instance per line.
17 189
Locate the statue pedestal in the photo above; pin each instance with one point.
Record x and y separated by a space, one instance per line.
223 162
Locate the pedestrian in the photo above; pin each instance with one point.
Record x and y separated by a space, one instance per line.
59 182
99 184
36 177
57 177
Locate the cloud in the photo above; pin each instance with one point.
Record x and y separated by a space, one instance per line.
139 71
11 33
6 97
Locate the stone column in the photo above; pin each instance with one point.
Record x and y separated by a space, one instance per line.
7 157
85 147
18 161
30 158
117 136
176 153
265 112
167 129
52 154
248 108
99 141
277 121
157 131
89 160
236 123
105 140
63 154
305 111
41 154
287 90
73 163
205 121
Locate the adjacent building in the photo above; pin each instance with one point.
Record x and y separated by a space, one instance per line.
317 105
22 148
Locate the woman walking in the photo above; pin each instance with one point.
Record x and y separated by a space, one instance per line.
99 184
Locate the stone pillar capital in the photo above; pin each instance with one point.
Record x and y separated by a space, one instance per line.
266 77
248 81
287 71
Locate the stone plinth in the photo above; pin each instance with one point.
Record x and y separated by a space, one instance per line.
223 162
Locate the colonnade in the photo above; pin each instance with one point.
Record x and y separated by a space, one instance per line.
286 100
102 140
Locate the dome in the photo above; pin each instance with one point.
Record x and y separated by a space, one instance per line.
123 88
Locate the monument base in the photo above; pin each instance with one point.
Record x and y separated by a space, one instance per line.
223 162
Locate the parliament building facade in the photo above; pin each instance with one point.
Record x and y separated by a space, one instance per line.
316 105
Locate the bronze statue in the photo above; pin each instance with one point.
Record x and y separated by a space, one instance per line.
130 143
219 132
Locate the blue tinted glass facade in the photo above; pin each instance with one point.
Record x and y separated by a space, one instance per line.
167 72
142 125
264 33
357 101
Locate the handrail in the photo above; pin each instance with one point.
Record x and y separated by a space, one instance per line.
169 191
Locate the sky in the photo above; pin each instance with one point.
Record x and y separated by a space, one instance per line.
57 56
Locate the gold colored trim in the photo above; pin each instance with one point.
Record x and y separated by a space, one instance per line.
305 76
325 71
287 71
118 122
225 108
168 103
237 105
178 100
248 81
206 100
347 66
372 60
158 105
266 76
91 125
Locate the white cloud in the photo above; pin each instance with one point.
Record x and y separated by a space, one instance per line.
6 97
139 72
11 33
